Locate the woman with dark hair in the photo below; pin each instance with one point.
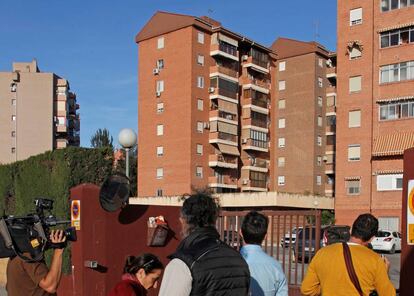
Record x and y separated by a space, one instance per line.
140 274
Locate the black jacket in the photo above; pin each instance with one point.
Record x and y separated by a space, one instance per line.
216 268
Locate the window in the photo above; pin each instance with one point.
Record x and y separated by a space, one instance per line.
318 160
61 120
320 62
355 16
160 85
331 120
354 53
320 121
329 158
282 66
355 84
13 134
282 85
281 162
387 5
160 173
354 118
160 43
389 182
160 129
13 102
199 172
160 64
396 111
397 72
200 104
319 140
200 82
200 126
281 180
320 82
200 60
320 101
281 143
282 104
13 150
200 37
13 118
354 152
199 149
353 187
389 223
319 180
282 123
160 151
159 192
160 107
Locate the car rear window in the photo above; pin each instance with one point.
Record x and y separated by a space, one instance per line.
383 234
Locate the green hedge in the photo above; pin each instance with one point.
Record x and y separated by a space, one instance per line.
51 175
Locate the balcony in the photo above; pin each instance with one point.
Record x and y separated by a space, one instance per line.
61 143
331 73
214 70
255 64
61 128
329 168
254 185
330 129
216 114
223 181
331 89
255 122
255 145
229 52
221 161
216 92
261 103
256 164
331 109
220 137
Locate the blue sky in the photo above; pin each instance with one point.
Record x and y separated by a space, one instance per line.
91 43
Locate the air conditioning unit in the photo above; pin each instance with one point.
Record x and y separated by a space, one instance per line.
158 94
244 141
156 71
245 57
211 89
206 125
245 181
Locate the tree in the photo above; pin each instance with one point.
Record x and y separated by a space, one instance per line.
102 138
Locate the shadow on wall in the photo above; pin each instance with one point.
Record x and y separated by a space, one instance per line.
131 214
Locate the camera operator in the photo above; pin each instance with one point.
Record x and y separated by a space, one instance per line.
34 278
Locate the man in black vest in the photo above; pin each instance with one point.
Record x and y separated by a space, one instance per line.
202 264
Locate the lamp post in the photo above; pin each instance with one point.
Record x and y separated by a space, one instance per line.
128 139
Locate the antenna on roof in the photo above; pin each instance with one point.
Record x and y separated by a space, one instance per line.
316 33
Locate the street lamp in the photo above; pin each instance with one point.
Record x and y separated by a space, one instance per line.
128 139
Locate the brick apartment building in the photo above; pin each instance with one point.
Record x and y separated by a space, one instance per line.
375 55
303 113
37 113
206 110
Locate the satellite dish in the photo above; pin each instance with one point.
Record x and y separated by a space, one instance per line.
114 193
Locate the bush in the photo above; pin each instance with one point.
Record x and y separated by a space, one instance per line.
51 175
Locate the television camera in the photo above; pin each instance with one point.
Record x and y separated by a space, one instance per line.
29 235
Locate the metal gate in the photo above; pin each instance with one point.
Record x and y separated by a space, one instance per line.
293 237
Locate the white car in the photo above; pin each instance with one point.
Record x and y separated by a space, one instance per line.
290 238
387 240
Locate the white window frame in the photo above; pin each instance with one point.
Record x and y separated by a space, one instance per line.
320 82
320 101
200 59
281 142
199 171
200 37
355 16
160 108
160 85
200 127
160 173
281 161
320 121
352 80
200 81
281 123
281 104
319 140
319 160
160 64
160 43
281 181
160 151
199 149
200 104
320 62
318 180
347 188
389 182
350 117
352 159
282 84
160 129
282 66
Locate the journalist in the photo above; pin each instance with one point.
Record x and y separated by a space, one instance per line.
35 278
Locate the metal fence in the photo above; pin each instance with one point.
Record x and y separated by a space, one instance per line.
293 237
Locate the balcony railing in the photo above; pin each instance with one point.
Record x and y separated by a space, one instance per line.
221 158
330 128
264 83
224 70
256 102
255 122
223 136
222 114
254 61
257 143
223 179
258 183
330 167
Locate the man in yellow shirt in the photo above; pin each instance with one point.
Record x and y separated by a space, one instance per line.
327 274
